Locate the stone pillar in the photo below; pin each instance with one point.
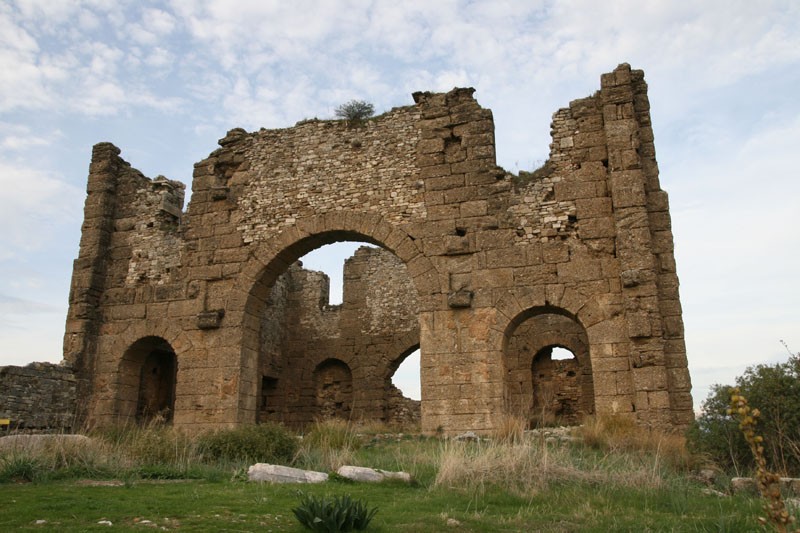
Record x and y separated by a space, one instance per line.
89 269
461 383
632 183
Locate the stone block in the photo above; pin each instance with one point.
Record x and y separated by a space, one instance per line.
593 207
284 474
371 475
597 228
429 146
574 190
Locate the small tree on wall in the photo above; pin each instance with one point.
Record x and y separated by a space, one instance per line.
355 111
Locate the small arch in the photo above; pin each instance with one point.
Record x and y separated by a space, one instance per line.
556 384
333 385
148 376
548 372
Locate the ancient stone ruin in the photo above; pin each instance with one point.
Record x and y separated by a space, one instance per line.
203 317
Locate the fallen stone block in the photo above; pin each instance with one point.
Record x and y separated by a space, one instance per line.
284 474
371 475
790 486
743 485
469 436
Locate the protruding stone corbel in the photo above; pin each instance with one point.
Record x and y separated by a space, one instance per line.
460 299
210 319
219 192
460 295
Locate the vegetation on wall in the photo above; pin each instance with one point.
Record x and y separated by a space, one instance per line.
355 111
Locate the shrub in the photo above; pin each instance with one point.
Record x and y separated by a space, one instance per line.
268 443
340 513
717 435
355 111
775 391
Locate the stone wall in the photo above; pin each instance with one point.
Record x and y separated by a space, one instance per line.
39 396
338 360
586 237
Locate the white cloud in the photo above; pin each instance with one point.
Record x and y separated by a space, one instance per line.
713 43
158 21
159 58
35 203
19 137
21 306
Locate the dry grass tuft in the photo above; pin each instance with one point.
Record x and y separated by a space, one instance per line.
525 468
615 451
615 433
510 429
328 445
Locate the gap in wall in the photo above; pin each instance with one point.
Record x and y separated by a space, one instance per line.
330 260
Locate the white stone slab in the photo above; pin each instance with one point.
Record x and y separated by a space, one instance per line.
371 475
284 474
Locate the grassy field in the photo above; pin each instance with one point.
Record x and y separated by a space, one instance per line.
596 482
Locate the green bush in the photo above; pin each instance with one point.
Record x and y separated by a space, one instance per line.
355 111
332 515
265 443
775 391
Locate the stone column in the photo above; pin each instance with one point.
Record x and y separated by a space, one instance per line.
89 269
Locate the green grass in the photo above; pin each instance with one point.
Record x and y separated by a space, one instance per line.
240 506
609 481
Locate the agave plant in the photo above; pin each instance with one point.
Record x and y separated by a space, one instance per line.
332 515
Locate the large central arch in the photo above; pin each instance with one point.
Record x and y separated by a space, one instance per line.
271 258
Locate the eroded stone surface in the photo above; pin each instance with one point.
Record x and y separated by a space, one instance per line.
484 255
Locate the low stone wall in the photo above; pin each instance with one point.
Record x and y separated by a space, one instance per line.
39 396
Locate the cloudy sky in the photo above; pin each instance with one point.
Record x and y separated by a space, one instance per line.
165 80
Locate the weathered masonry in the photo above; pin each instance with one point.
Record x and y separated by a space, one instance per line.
198 316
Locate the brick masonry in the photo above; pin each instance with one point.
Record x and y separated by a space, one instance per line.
187 295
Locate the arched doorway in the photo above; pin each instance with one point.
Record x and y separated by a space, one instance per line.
333 385
548 378
556 383
297 325
148 376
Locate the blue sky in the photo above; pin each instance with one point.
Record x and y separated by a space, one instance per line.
165 80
